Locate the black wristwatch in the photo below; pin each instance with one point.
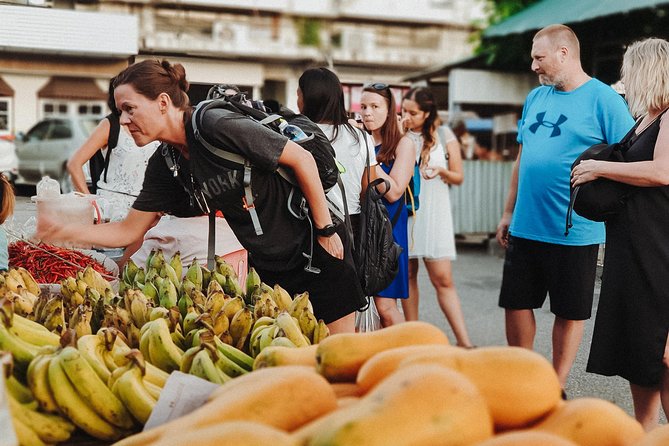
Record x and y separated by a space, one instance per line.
327 230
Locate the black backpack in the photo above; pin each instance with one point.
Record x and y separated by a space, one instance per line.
98 162
316 143
376 253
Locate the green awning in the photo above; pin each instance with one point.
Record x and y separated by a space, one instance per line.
548 12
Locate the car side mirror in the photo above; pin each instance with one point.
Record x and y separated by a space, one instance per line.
21 136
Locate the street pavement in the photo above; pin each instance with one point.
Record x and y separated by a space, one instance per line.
478 273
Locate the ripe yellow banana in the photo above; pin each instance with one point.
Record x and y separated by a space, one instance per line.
91 348
321 332
23 352
25 434
203 366
233 306
214 287
49 428
153 389
155 376
74 407
308 323
92 389
162 350
282 341
29 281
281 297
38 382
240 327
32 332
18 390
300 302
290 329
130 389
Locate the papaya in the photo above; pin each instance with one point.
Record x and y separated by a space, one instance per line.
347 389
382 364
420 405
526 438
276 355
282 397
592 422
238 433
519 385
657 437
340 356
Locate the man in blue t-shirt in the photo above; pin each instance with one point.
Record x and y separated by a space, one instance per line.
568 113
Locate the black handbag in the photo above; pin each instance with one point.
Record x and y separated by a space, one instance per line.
601 199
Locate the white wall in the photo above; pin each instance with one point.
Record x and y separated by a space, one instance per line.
25 98
486 87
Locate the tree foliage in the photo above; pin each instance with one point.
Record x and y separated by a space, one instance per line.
509 52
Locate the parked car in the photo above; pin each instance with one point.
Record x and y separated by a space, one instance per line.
9 163
45 149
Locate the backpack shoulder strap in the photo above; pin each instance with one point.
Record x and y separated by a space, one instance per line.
236 158
112 139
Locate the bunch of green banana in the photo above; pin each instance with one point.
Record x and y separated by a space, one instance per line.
287 331
201 361
157 346
36 428
130 385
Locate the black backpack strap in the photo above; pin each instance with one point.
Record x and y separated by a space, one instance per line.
112 139
211 242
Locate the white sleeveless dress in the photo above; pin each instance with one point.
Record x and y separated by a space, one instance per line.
431 229
125 176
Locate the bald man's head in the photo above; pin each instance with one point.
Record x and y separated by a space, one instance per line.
560 36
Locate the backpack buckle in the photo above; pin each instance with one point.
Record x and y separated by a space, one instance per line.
246 205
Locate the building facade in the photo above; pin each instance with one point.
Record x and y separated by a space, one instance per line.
62 61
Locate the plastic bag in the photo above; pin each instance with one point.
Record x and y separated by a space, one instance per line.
367 319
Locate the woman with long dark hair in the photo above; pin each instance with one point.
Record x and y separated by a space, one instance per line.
320 97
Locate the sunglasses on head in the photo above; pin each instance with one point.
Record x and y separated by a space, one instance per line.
378 86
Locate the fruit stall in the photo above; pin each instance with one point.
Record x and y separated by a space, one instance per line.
99 360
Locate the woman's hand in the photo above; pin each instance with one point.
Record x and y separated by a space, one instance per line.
584 172
332 245
431 172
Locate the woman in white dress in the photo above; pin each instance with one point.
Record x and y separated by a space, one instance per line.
431 235
125 172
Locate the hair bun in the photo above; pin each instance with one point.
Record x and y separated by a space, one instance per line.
178 73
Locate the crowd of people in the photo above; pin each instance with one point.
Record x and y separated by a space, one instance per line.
569 112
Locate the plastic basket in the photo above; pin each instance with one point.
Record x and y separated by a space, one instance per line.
239 261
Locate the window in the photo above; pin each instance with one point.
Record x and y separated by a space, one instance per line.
5 120
39 131
51 108
61 130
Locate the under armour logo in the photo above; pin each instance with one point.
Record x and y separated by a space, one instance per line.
554 125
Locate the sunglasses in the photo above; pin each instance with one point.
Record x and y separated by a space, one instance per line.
378 86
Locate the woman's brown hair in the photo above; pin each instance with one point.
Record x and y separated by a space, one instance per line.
390 130
426 103
150 78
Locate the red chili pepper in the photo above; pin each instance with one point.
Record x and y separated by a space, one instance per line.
46 268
